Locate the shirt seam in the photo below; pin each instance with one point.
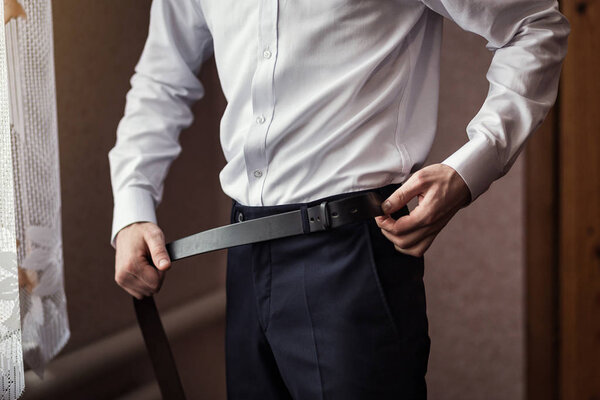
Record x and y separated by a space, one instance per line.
400 148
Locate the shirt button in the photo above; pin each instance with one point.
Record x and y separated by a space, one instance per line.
267 54
257 173
260 120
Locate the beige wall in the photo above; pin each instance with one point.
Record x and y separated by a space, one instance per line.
474 270
97 44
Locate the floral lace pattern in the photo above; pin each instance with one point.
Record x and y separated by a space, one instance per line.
33 315
11 356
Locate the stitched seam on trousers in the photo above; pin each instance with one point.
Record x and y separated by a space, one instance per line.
312 330
378 282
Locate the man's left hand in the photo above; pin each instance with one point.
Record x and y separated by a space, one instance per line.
441 193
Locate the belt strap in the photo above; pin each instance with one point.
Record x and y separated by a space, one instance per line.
324 216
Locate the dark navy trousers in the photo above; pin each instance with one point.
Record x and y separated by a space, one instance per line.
338 314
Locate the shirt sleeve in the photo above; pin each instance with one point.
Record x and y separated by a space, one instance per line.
529 40
163 88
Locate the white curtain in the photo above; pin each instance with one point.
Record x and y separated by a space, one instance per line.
34 219
11 356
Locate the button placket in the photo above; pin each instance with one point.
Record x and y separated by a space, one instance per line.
255 152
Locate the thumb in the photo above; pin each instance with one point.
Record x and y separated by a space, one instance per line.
155 241
409 189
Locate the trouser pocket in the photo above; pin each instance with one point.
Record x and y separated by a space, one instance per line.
399 279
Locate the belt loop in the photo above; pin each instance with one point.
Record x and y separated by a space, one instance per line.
232 215
324 214
305 223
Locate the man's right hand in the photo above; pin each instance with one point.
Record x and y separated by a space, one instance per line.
136 244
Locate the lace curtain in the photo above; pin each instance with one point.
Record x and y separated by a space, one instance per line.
31 257
11 361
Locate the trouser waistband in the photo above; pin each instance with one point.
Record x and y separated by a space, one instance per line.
242 212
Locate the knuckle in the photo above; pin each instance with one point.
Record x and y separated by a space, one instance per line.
401 242
157 249
121 278
400 195
154 232
419 178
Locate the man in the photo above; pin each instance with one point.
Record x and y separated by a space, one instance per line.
326 99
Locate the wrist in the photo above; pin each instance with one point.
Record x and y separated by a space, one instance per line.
128 228
458 186
464 193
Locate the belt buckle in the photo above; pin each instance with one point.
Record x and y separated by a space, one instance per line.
319 218
324 215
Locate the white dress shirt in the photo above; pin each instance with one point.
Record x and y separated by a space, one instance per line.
328 96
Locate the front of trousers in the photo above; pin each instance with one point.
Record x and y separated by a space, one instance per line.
338 314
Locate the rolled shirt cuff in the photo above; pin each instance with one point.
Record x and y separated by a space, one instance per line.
131 205
477 163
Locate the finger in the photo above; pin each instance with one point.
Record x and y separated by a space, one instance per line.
387 223
404 242
417 219
132 284
425 214
392 238
148 276
135 294
419 249
411 239
384 221
155 241
410 189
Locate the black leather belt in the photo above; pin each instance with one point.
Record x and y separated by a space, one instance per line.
324 216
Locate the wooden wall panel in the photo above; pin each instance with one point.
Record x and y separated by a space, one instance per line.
579 157
541 226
